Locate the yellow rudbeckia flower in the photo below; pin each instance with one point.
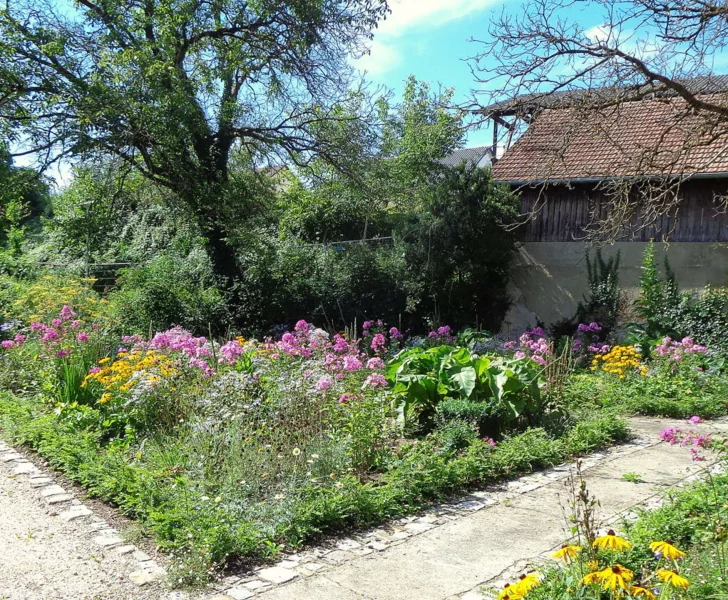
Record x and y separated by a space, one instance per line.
591 578
566 553
615 577
611 541
672 578
527 582
638 591
510 592
667 550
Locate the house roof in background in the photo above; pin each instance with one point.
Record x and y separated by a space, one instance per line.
530 103
470 156
634 139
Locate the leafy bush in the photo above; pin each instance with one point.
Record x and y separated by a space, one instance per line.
168 291
422 378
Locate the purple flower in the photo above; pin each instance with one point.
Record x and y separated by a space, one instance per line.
19 338
344 398
694 420
82 337
302 326
56 323
63 353
432 334
7 344
395 334
93 370
489 441
444 330
519 355
367 325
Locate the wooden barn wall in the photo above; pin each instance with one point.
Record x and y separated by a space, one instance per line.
566 212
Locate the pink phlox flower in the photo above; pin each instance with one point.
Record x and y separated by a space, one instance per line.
378 342
82 337
352 363
671 435
7 344
67 313
340 344
344 398
94 370
510 345
432 334
324 384
367 325
20 338
519 355
50 335
230 352
376 380
63 353
695 420
490 441
75 324
375 363
57 323
302 326
35 326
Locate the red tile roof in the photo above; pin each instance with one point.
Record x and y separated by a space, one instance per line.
647 137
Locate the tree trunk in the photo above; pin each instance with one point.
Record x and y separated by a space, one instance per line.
222 256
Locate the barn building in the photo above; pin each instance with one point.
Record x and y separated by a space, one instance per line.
574 166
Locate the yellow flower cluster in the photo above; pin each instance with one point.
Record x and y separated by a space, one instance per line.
44 298
518 590
130 368
617 579
620 360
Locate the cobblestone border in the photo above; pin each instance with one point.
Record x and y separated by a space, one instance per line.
66 507
336 552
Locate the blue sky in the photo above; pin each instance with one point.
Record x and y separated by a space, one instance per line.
429 39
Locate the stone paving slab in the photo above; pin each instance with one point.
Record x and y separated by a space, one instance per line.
454 559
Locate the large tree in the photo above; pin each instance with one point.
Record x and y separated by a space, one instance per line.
544 56
175 87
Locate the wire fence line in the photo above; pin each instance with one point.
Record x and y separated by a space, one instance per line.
104 274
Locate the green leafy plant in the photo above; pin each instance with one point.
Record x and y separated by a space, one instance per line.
421 378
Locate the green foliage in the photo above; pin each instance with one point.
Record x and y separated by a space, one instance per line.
422 378
604 303
168 291
701 315
681 394
458 258
199 488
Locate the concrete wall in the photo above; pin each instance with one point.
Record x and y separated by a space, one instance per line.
549 278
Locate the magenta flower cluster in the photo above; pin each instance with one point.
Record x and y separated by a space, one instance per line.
531 344
59 338
339 356
443 335
675 350
694 441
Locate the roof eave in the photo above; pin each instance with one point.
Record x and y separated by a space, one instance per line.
583 180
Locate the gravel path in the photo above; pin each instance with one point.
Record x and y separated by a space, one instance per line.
44 557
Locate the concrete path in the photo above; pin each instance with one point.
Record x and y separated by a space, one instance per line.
453 560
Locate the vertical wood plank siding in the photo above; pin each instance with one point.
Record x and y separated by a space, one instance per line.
566 212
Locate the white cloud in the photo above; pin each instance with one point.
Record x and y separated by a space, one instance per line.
407 15
381 58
